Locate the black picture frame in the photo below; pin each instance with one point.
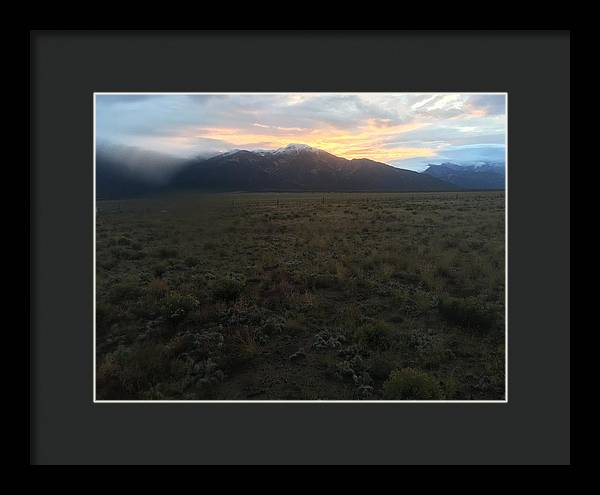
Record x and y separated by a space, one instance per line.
67 67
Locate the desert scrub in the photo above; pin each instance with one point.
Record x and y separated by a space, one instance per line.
104 313
176 306
376 335
293 326
304 300
381 366
197 345
449 387
159 269
350 317
226 289
411 384
123 241
415 302
242 311
125 291
273 325
207 374
323 281
165 253
191 261
469 312
128 371
328 339
119 253
342 273
158 288
241 347
279 294
414 248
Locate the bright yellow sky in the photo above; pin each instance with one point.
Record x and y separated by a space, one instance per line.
366 142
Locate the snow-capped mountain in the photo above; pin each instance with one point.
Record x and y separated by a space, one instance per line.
289 149
299 167
294 148
470 175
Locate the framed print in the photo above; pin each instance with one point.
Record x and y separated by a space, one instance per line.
302 247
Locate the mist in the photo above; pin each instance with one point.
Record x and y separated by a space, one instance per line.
148 166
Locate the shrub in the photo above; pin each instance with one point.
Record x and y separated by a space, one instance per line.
177 306
125 291
328 339
410 384
241 347
381 367
278 293
127 372
469 312
207 374
293 326
226 289
273 325
324 281
103 311
164 253
450 387
105 315
158 288
375 335
159 269
123 241
191 261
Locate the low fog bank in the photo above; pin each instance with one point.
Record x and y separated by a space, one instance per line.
142 165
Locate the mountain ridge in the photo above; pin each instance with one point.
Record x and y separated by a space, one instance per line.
482 175
300 168
295 167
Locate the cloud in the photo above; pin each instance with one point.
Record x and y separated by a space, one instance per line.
475 152
389 127
470 153
489 104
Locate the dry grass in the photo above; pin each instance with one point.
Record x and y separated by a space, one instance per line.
413 281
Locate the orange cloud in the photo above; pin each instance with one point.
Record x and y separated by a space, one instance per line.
368 141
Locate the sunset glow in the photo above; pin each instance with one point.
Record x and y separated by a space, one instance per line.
399 129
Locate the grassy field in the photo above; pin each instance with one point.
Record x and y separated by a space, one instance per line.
301 297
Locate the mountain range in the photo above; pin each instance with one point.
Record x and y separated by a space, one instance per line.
295 167
484 175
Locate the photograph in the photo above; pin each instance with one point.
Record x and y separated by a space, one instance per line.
300 247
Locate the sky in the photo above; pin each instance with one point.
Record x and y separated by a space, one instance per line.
407 130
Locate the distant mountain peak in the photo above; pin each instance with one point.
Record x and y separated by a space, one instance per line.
294 148
470 175
468 165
